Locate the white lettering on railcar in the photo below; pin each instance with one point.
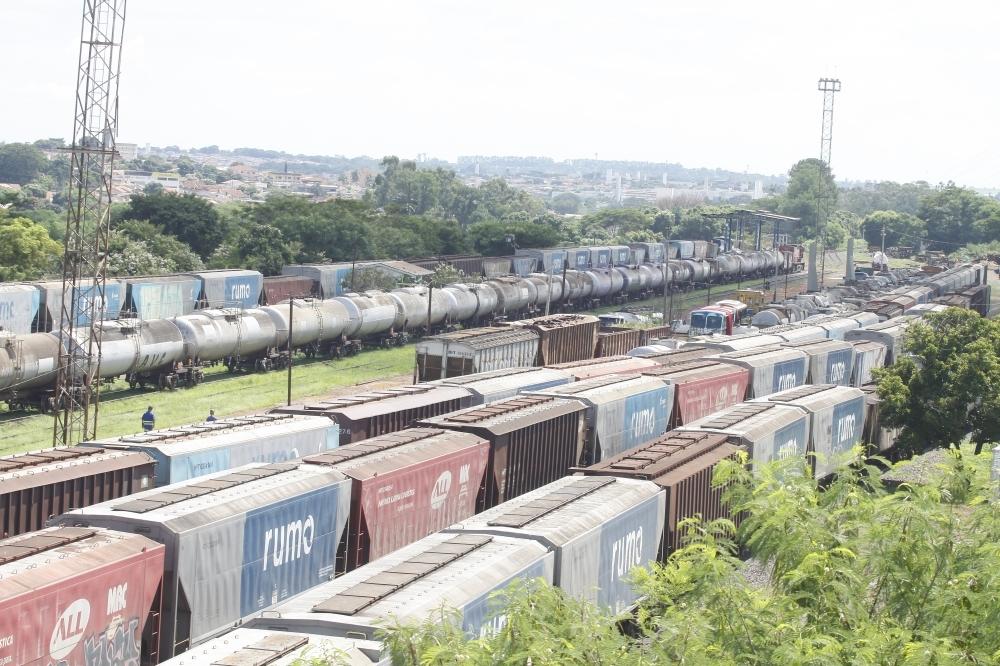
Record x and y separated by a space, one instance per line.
846 428
837 372
626 552
289 542
240 292
69 629
440 491
117 598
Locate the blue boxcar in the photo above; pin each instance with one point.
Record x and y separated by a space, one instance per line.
51 303
162 297
789 374
18 307
229 288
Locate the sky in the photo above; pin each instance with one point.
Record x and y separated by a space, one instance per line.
727 84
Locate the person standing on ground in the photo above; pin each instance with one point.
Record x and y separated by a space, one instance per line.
211 416
148 420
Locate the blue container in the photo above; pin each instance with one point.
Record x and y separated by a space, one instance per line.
578 258
51 302
789 374
162 297
229 288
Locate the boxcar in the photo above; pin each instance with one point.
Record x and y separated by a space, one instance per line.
666 356
772 369
877 435
599 528
735 343
456 571
702 387
73 596
279 288
600 367
563 337
229 288
18 307
475 350
51 302
487 387
614 342
407 485
868 355
682 464
888 333
830 361
768 431
237 542
374 413
259 647
186 452
796 332
622 411
836 424
160 296
533 440
36 486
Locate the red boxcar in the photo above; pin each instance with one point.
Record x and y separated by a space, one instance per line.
407 485
78 597
702 387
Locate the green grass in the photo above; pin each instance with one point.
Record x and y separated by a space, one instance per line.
227 395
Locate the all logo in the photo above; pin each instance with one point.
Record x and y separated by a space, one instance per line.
440 491
69 629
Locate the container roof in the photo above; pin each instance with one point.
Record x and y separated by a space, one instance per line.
261 647
557 321
750 419
362 405
55 465
377 456
598 390
660 456
810 346
508 415
692 371
815 396
763 356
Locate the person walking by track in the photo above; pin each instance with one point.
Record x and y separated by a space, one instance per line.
148 419
211 416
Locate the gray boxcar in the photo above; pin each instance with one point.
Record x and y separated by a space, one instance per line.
18 307
837 421
190 451
237 542
476 350
456 571
772 369
868 355
496 385
161 296
229 288
599 527
830 361
889 333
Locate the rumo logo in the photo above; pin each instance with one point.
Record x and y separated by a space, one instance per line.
239 292
626 552
6 310
69 629
289 542
787 381
643 423
837 372
440 491
846 427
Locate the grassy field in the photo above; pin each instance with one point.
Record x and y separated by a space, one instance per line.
228 395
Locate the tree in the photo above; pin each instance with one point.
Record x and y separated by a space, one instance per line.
901 229
145 250
262 248
811 196
565 202
187 217
887 195
956 215
366 278
612 223
949 384
26 251
20 163
490 238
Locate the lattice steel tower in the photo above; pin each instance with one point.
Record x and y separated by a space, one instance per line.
95 125
829 88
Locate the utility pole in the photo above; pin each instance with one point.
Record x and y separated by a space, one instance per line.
667 313
883 238
88 223
829 88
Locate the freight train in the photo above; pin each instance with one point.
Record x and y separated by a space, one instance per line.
467 473
171 327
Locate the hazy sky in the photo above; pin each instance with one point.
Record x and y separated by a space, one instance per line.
724 83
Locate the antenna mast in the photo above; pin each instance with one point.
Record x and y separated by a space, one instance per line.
88 221
829 87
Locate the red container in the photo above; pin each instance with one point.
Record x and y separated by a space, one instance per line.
601 367
682 463
702 387
36 486
407 485
282 287
73 596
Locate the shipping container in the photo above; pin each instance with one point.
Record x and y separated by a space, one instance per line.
830 361
768 431
889 333
623 411
50 303
614 342
867 356
601 367
18 307
375 413
878 436
702 387
487 387
79 597
835 326
654 252
238 542
190 451
281 288
407 485
160 296
836 424
563 337
685 354
36 486
229 288
599 528
259 647
772 369
457 572
600 257
533 441
682 463
329 277
523 266
475 350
